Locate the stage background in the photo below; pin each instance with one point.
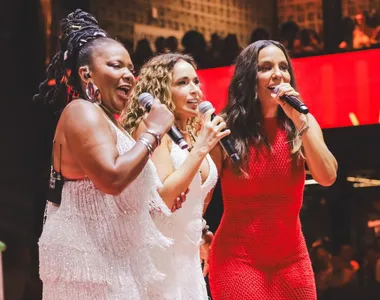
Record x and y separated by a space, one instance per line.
333 86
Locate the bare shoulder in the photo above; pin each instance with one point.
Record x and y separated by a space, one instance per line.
81 111
83 117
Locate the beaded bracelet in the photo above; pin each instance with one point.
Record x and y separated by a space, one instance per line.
155 135
147 145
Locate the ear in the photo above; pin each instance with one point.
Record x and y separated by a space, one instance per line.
84 73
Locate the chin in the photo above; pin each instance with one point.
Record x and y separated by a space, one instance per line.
119 105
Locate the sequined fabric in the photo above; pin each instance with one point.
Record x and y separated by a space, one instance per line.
259 252
98 246
181 262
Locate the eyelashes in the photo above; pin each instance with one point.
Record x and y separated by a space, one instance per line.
185 82
268 68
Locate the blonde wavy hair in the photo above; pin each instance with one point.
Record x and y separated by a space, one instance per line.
156 78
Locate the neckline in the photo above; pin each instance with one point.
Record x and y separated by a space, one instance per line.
109 116
209 160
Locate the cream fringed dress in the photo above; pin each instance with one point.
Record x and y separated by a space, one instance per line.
98 246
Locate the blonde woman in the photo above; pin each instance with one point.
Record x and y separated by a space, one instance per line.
172 78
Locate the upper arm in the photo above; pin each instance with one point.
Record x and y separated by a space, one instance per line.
314 126
319 135
91 142
161 155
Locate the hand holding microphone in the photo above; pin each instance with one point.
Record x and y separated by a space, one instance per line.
153 106
212 131
206 108
287 94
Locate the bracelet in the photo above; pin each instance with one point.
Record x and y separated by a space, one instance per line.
205 227
207 235
303 129
147 145
155 135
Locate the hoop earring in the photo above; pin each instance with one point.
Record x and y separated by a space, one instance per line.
93 93
90 91
98 97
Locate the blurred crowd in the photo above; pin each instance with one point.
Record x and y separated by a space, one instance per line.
346 275
350 271
361 31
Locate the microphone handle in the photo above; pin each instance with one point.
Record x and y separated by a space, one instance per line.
177 137
229 148
227 145
296 104
173 132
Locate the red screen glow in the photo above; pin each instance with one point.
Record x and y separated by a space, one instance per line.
339 89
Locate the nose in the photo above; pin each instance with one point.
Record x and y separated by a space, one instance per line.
194 89
128 76
276 73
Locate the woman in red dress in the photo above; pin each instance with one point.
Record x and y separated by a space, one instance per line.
259 251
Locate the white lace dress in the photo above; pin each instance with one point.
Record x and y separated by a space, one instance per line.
97 246
181 262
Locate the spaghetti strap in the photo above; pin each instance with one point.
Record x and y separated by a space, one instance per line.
60 159
56 179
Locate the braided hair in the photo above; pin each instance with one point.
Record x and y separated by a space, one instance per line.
80 34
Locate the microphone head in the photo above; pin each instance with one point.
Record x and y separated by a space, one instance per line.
145 99
183 145
204 107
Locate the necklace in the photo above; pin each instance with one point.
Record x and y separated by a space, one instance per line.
183 131
189 133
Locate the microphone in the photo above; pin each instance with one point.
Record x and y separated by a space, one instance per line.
293 102
226 142
146 100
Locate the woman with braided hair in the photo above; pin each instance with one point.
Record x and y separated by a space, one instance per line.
98 233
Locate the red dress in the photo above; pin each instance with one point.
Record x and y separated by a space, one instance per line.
259 251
